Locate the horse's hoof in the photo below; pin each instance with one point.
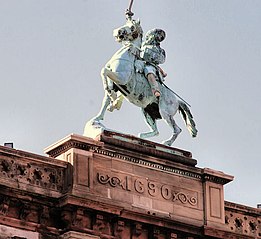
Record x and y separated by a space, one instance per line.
110 108
148 135
142 135
95 122
167 143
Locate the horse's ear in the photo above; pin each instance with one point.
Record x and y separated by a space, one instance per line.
138 21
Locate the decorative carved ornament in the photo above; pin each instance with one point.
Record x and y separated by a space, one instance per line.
243 224
34 173
151 188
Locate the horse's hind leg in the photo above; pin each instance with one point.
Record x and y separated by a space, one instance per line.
176 130
152 125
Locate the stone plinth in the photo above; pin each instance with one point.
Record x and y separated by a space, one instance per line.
131 177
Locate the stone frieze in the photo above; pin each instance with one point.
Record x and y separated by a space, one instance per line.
149 187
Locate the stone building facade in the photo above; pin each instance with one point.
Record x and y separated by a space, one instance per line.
116 187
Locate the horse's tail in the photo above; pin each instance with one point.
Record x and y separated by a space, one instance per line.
188 118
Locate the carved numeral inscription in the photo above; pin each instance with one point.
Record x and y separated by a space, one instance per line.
148 187
114 181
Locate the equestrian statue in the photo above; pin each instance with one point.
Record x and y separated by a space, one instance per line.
133 73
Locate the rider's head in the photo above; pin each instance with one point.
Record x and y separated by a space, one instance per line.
155 36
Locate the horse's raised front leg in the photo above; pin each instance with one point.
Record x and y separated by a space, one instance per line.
152 125
108 84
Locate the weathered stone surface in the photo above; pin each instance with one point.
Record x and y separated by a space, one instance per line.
169 187
14 233
116 190
33 173
77 235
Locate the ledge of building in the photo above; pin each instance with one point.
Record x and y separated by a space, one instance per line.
127 143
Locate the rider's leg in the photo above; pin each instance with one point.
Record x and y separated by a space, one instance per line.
152 125
154 84
162 72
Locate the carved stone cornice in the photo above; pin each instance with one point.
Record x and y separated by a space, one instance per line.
214 176
72 141
97 147
107 146
130 143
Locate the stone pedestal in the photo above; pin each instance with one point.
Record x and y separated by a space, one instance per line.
143 181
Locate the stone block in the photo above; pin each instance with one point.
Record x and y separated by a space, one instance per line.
11 232
77 235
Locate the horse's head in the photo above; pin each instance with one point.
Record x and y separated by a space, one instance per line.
129 32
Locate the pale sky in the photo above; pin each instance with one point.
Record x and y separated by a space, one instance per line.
52 51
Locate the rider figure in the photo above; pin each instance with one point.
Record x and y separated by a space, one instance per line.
153 55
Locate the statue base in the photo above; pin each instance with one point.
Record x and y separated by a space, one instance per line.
93 128
142 181
97 131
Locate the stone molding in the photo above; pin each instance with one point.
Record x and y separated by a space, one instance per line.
120 141
97 147
77 235
216 176
14 233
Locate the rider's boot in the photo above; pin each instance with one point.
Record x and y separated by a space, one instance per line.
156 92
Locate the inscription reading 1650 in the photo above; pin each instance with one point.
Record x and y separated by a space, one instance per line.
143 186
